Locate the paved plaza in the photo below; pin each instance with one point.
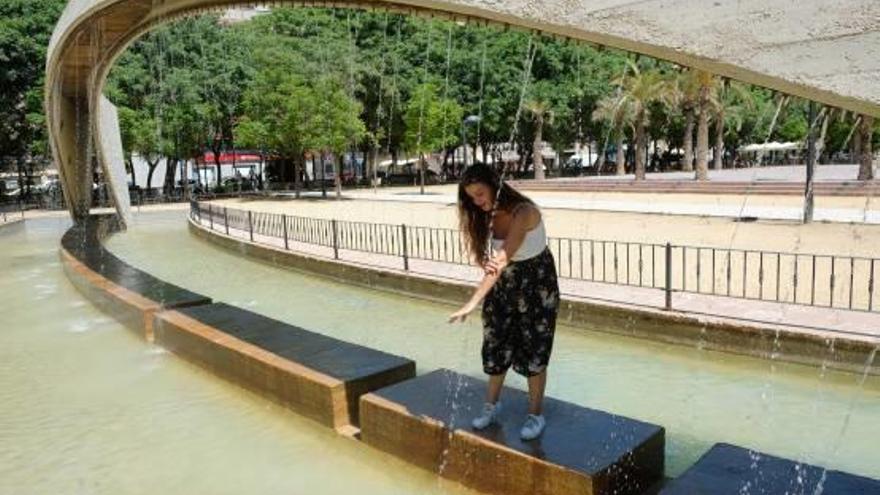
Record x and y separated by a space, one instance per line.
396 207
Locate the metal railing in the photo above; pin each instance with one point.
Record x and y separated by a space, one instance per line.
840 282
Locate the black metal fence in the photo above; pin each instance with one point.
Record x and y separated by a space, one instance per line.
840 282
10 205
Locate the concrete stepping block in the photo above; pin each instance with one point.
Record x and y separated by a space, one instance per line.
128 294
426 421
318 376
730 470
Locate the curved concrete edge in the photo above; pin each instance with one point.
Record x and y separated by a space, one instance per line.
11 223
329 401
312 394
742 338
132 310
115 287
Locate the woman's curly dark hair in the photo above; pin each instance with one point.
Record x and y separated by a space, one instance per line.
473 221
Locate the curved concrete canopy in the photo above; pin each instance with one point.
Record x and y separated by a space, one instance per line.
825 51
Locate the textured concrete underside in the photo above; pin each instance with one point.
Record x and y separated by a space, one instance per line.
825 51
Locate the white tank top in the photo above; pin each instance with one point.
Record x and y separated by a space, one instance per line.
533 244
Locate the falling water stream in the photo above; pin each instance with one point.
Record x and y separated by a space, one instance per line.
701 397
86 407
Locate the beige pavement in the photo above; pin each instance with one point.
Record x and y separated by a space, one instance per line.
838 239
404 205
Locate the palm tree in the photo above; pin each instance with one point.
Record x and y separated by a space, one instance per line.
827 115
866 157
780 104
640 90
541 111
686 93
730 106
708 87
613 110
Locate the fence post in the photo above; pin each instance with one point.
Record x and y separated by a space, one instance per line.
668 288
284 222
211 215
251 225
405 249
226 219
335 240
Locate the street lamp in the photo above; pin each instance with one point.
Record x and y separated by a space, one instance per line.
469 120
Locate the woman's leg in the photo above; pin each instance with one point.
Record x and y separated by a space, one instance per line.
494 390
537 383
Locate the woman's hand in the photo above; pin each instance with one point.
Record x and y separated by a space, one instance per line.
462 313
496 264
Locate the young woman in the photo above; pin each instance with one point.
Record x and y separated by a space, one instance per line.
519 290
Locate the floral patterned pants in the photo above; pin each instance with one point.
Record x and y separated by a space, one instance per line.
519 317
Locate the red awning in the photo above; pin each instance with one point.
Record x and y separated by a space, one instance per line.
243 158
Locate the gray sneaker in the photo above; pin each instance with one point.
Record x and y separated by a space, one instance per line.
533 427
488 416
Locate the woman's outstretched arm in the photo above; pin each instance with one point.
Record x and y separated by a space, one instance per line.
485 286
524 220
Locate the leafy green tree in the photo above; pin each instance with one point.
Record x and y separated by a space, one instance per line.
431 124
381 62
277 115
25 28
335 124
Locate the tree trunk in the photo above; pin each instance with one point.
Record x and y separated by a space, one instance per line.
779 106
130 162
219 168
866 157
298 163
151 168
262 167
421 173
856 146
338 182
719 142
639 147
373 165
537 157
184 178
21 180
702 165
852 132
170 172
620 159
820 143
323 182
627 154
600 160
688 164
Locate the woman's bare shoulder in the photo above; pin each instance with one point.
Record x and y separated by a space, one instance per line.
527 213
